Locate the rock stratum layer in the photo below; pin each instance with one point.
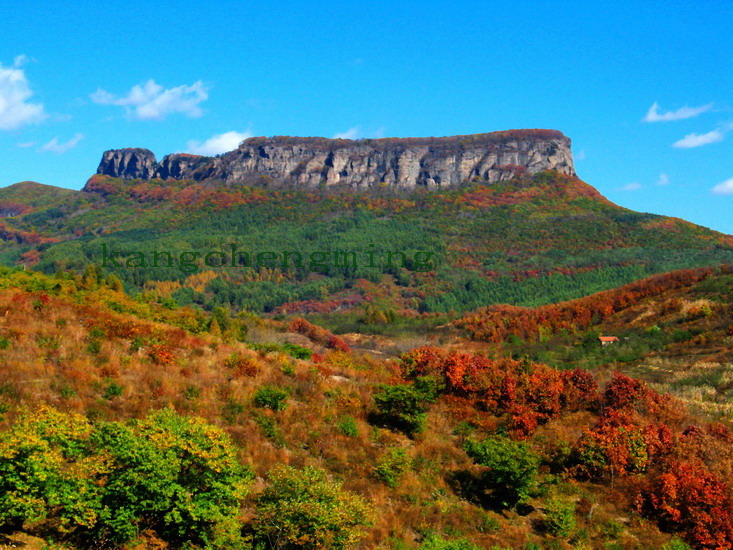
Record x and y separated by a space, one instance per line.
407 162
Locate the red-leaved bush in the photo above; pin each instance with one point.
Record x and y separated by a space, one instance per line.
687 497
529 393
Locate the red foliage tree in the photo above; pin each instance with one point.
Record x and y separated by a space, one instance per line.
687 497
529 393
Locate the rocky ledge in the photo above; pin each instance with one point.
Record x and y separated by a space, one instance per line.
407 162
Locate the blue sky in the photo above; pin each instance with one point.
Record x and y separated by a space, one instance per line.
79 78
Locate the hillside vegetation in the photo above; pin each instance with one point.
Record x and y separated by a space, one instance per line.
527 242
452 396
675 330
133 422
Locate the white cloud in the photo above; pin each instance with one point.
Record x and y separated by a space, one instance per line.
217 144
150 101
26 144
351 133
633 186
724 188
16 110
653 114
698 140
54 146
663 179
580 155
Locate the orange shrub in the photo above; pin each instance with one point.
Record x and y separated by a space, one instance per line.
318 334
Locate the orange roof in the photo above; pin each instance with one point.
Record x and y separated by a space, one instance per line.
608 338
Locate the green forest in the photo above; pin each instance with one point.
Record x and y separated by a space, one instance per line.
529 241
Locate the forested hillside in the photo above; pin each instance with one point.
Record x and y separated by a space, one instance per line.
529 241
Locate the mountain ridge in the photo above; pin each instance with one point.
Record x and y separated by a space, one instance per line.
313 161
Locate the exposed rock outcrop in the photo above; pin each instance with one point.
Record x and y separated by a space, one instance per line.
131 163
184 166
406 162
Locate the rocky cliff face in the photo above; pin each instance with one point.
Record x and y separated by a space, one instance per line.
404 162
128 164
184 166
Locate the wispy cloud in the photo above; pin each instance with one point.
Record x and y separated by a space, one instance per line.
724 188
54 146
655 115
16 109
150 101
663 179
21 59
698 140
217 144
357 133
26 144
351 133
580 155
633 186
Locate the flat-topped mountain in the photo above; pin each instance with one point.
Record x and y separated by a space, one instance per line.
522 229
406 162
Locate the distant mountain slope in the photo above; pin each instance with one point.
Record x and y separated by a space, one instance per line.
531 240
501 323
34 194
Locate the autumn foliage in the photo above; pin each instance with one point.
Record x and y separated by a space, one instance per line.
318 334
23 237
673 470
498 323
641 438
529 393
89 348
686 496
436 143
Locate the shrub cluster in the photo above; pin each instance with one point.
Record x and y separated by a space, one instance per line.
318 334
512 468
403 406
304 509
271 398
106 483
177 477
530 393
